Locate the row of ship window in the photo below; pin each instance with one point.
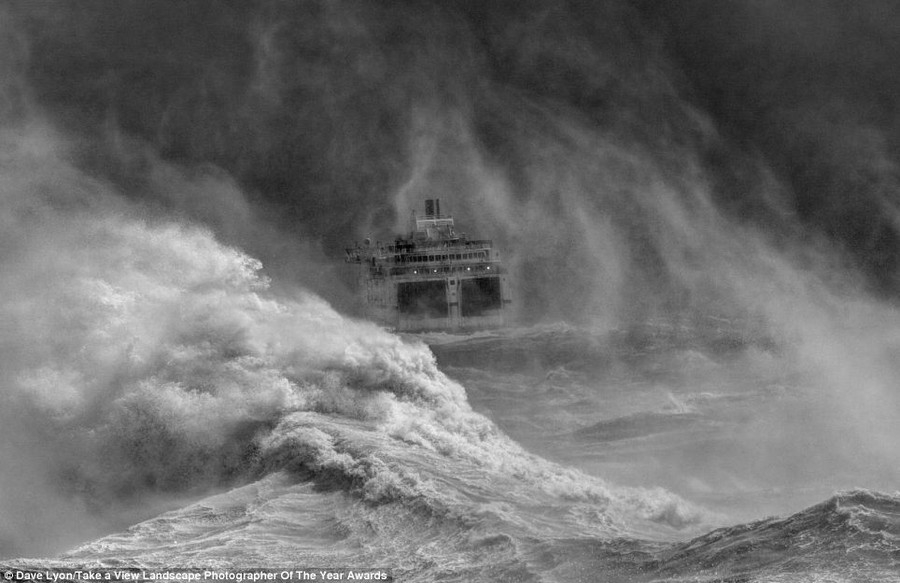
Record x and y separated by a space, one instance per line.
425 258
423 270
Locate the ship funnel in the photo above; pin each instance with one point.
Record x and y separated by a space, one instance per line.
429 207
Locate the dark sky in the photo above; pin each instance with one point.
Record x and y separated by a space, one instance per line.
608 146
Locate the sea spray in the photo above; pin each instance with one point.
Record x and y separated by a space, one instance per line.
149 359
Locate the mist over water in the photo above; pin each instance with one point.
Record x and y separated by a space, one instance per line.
651 171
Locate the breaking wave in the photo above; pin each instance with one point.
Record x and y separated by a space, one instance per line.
149 363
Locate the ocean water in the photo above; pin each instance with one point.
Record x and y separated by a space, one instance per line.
243 430
165 406
704 192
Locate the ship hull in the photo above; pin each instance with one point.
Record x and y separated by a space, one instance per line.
449 302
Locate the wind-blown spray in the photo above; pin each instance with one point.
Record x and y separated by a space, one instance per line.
646 167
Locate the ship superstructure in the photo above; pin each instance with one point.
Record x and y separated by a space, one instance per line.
434 279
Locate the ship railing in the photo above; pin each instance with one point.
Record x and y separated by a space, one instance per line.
445 251
412 248
365 255
476 257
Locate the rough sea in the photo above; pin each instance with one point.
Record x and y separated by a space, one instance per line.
698 203
239 430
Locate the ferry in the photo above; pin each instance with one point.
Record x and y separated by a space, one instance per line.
434 279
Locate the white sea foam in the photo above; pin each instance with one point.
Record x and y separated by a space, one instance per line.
144 356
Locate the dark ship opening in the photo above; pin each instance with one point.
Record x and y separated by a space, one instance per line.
480 295
422 298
